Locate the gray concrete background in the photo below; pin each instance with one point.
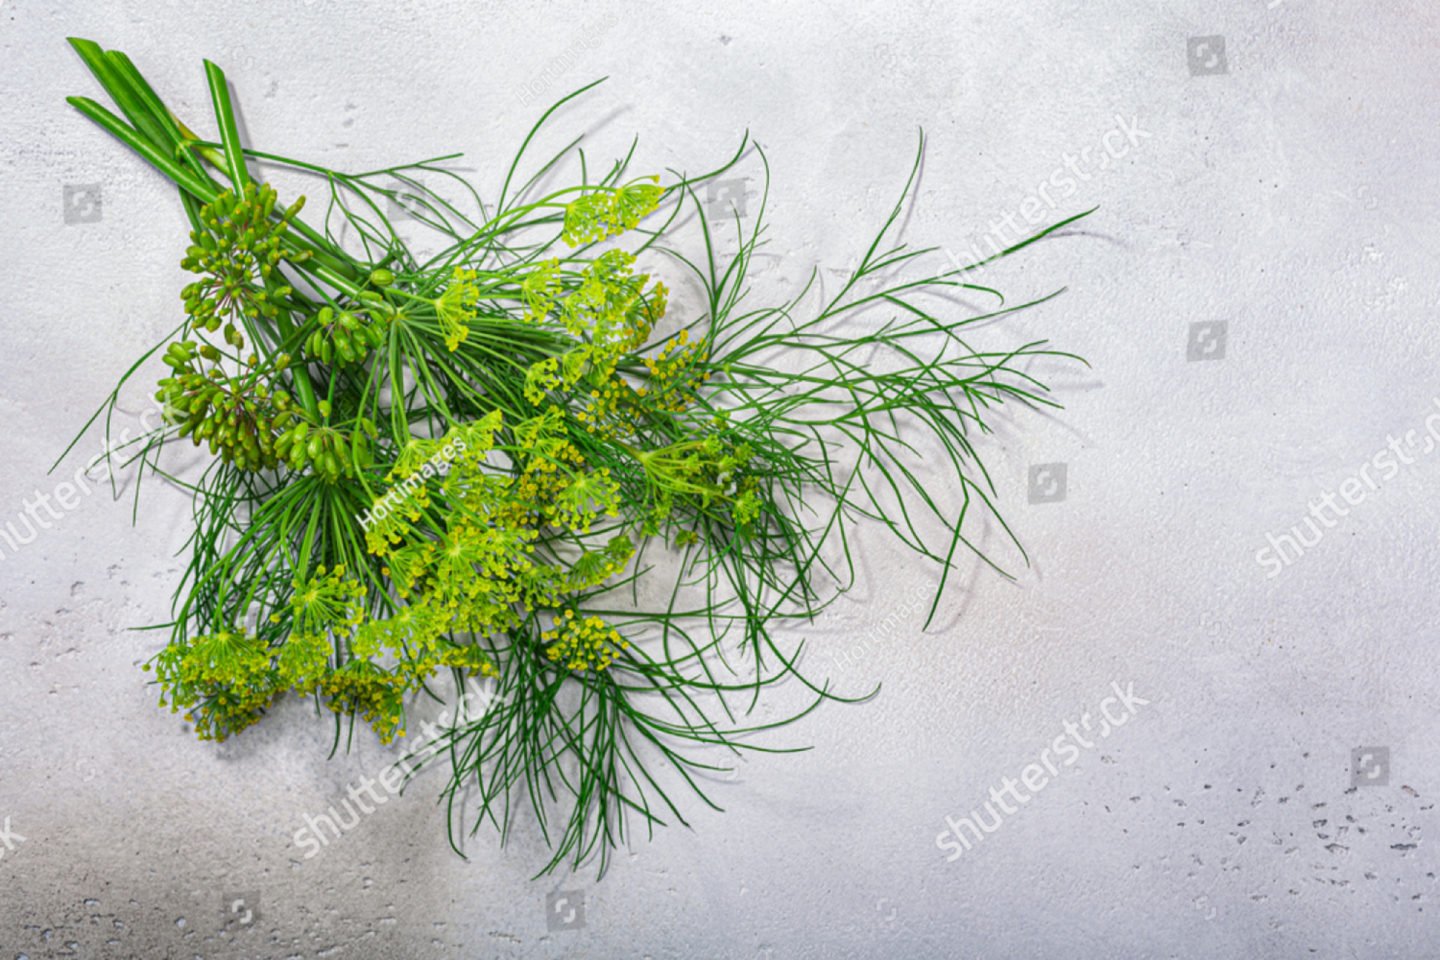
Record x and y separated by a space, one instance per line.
1286 192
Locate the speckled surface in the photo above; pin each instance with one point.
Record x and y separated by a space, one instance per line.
1286 192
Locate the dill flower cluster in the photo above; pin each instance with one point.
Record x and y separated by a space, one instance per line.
583 643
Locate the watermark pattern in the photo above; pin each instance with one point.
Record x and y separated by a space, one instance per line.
239 911
319 831
313 837
1048 482
887 56
68 495
10 840
871 282
1206 340
565 910
565 61
1285 549
82 203
886 629
1369 766
402 204
395 497
1036 776
1042 205
726 197
1206 56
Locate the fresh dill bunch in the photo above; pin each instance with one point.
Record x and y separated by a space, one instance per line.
474 463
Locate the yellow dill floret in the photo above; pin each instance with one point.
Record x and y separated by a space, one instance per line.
747 508
542 377
583 643
613 409
652 309
327 601
675 374
636 200
385 532
455 307
223 680
413 456
596 566
473 439
408 564
376 694
581 501
543 441
455 458
468 657
608 303
539 289
608 212
586 219
302 661
412 630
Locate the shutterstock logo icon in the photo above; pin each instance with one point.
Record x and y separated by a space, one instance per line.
82 203
565 910
1207 341
1206 56
9 839
404 204
726 198
1369 766
240 910
1047 482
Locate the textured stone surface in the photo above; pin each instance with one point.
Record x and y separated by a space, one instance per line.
1287 192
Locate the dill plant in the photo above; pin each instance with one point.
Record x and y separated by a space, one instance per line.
555 451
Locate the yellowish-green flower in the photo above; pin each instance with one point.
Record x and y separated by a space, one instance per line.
583 643
468 657
455 307
376 694
539 289
303 660
223 680
542 377
413 630
607 212
327 601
